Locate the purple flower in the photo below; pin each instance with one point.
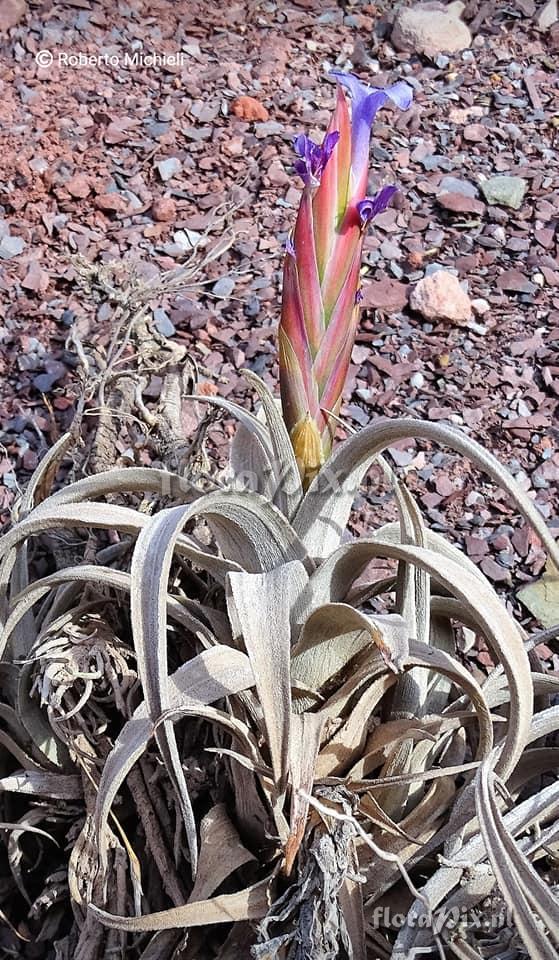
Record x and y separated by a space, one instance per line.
366 101
313 156
370 207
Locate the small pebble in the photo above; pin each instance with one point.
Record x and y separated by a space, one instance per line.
252 307
480 306
44 382
166 112
169 168
224 287
163 323
164 210
38 165
11 247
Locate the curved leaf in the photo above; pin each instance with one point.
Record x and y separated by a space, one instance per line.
500 631
324 511
210 676
249 904
290 489
256 600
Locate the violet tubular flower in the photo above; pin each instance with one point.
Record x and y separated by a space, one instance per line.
370 207
320 306
313 157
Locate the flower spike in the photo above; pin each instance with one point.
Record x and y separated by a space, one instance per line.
321 287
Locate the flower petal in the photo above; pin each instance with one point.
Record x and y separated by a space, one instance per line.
370 207
313 157
401 94
336 274
366 101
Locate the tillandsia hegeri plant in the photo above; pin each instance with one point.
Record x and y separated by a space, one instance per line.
241 741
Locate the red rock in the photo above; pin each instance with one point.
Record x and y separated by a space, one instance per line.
164 210
475 132
523 427
527 347
417 224
277 174
111 203
500 542
36 279
551 276
475 546
467 263
234 147
547 16
387 295
521 540
11 12
29 460
445 486
119 130
78 186
485 658
207 389
249 108
516 282
458 203
440 297
495 571
431 500
62 403
415 259
545 237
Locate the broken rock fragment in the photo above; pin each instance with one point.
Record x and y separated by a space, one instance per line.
249 108
440 297
504 191
431 29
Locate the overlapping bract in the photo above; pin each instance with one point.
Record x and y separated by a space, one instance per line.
322 266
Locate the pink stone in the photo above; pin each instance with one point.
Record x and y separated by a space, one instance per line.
430 28
440 297
11 12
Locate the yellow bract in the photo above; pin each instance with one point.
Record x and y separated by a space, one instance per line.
307 445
